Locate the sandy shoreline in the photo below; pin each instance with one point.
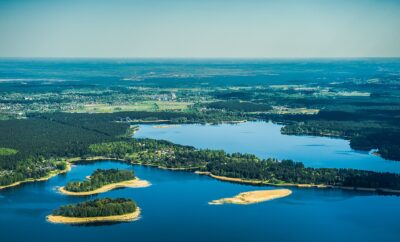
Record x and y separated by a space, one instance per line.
75 220
165 126
252 197
51 175
135 183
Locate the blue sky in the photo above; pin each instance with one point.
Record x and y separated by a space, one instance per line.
200 29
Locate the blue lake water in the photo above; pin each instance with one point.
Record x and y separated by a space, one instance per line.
175 209
265 140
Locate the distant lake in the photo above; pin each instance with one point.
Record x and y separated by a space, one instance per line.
175 209
265 140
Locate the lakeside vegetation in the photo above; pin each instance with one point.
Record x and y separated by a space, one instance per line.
32 170
100 178
237 165
97 208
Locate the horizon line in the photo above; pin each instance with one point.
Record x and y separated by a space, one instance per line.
200 58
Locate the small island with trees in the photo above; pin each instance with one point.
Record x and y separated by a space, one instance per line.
102 181
96 211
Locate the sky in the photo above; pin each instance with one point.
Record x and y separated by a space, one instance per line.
200 29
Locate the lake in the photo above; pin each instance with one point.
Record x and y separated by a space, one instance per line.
265 140
175 209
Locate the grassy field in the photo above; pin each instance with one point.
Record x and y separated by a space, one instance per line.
7 151
137 106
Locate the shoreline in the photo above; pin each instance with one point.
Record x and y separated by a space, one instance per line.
166 126
135 183
252 197
169 122
45 178
129 217
221 178
320 186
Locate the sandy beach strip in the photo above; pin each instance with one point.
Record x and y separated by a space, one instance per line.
135 183
165 126
251 197
76 220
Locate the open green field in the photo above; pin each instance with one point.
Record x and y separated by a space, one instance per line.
136 106
7 151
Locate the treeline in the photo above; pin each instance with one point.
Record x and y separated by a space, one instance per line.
97 208
287 171
237 165
100 178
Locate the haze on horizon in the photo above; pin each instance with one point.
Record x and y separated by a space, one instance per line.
200 29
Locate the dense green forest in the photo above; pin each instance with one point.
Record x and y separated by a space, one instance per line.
43 138
97 208
43 142
100 178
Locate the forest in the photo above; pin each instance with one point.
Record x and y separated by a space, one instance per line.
97 208
39 145
100 178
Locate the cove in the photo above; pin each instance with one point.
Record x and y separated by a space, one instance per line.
265 140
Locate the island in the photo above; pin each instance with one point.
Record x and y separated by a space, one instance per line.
96 211
245 198
102 181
